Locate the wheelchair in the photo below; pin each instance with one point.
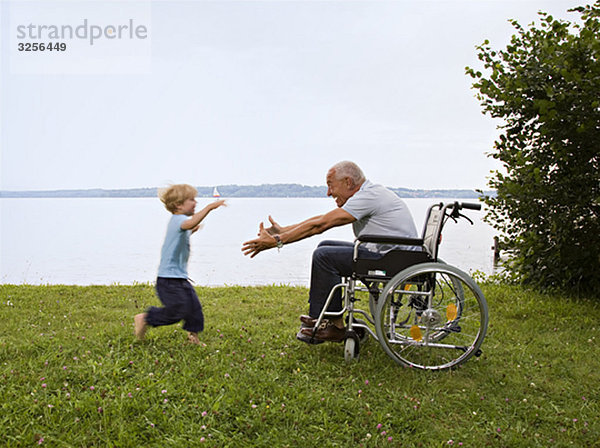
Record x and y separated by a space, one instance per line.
426 314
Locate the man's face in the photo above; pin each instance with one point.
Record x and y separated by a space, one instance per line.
339 189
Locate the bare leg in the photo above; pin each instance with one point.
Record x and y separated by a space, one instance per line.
140 325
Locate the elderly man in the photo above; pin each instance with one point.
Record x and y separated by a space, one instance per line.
372 209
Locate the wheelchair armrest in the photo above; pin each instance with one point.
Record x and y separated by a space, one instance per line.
390 240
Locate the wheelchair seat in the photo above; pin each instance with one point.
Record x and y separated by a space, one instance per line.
410 251
383 269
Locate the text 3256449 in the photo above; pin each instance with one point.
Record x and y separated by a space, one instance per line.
40 46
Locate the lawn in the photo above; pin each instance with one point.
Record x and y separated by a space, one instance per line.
73 375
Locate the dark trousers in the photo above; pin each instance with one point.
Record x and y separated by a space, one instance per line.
180 302
331 261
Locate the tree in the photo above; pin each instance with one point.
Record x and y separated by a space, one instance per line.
545 86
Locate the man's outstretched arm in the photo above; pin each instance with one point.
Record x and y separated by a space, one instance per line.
290 234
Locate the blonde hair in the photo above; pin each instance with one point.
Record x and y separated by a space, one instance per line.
175 195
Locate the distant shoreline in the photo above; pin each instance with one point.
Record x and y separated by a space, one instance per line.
232 191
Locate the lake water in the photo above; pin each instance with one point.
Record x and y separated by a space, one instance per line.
118 241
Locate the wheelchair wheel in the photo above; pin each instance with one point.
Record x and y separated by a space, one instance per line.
431 316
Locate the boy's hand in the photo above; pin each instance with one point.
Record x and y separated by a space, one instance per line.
219 203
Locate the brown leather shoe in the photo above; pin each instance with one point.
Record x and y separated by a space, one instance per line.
327 332
308 322
307 337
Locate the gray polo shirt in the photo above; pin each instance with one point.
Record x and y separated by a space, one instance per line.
379 211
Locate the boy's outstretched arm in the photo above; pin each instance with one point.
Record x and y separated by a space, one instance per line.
198 217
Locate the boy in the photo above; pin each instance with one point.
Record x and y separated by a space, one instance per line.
173 288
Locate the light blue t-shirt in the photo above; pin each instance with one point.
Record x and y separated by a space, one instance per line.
176 249
379 211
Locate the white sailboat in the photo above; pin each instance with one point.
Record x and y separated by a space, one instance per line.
216 193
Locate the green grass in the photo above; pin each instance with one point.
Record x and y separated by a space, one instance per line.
72 374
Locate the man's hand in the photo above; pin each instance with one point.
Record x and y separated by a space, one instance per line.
263 242
275 228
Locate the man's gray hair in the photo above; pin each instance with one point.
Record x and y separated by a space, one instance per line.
349 169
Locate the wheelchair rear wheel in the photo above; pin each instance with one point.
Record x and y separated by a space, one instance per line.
431 316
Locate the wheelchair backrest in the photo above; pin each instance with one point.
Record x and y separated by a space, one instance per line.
432 229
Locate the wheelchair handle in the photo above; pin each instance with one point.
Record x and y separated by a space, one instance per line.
470 206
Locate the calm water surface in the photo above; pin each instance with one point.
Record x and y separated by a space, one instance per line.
118 241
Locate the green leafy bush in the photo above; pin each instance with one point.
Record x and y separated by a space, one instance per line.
545 87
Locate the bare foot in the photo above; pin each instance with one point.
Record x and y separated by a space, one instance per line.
193 338
140 325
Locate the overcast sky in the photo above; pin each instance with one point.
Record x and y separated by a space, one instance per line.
250 92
